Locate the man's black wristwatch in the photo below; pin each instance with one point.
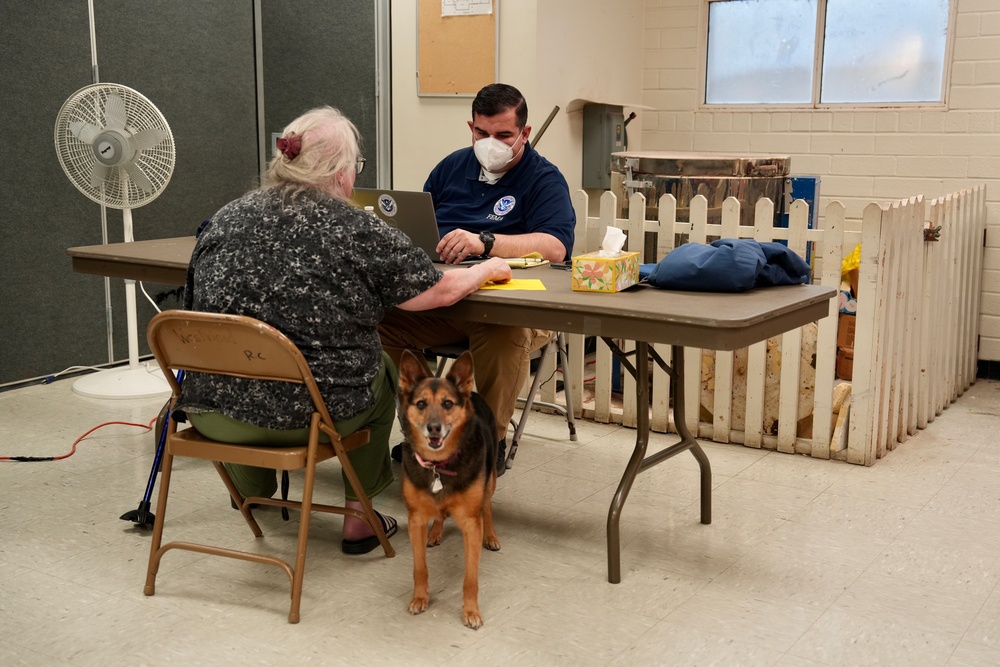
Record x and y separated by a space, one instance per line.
487 238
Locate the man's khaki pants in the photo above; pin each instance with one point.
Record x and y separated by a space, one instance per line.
501 355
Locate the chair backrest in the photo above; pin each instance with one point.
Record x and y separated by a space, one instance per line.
234 345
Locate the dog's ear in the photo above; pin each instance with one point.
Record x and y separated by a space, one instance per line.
461 372
411 371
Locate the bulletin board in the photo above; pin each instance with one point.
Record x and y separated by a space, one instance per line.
456 55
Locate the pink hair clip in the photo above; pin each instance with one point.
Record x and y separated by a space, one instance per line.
290 146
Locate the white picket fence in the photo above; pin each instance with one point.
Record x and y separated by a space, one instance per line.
916 329
920 333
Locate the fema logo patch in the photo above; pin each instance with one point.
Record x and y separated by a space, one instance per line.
504 205
387 205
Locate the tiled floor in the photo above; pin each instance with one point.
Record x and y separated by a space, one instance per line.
806 563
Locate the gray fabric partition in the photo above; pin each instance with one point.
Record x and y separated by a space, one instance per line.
45 51
321 53
196 61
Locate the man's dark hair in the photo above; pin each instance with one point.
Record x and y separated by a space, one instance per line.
499 97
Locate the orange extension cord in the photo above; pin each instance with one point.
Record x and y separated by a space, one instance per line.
148 427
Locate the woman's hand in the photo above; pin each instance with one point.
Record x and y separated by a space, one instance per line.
497 270
457 284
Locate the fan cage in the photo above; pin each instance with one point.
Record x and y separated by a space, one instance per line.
116 189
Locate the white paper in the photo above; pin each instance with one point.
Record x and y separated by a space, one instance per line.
466 7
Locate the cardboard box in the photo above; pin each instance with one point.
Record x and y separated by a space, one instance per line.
605 274
853 276
845 330
845 363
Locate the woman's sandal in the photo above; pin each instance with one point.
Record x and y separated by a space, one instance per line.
366 544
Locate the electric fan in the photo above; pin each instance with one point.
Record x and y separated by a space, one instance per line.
116 148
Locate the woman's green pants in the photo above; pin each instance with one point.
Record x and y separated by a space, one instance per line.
371 462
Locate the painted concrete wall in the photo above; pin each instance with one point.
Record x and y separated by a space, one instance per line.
862 155
553 51
650 51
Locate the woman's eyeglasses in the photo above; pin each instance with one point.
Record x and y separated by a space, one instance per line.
360 165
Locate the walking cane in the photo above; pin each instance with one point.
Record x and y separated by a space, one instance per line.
141 516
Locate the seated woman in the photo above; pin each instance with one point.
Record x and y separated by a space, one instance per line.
296 254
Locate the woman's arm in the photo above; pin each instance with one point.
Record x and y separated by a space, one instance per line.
459 283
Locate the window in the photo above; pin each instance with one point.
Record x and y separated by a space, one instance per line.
810 52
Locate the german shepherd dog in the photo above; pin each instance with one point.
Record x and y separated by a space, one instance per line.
449 468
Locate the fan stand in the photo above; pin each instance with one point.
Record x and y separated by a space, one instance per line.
138 380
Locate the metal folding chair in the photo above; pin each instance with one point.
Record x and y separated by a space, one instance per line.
248 348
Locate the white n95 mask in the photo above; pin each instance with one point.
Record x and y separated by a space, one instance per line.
493 154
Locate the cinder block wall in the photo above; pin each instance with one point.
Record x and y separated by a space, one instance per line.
862 154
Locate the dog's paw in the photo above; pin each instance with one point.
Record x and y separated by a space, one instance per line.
418 604
472 618
491 542
435 535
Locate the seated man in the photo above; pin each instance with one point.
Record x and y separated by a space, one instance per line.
497 198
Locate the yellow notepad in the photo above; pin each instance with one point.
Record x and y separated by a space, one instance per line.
516 284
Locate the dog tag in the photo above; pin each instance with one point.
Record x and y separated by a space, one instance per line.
436 485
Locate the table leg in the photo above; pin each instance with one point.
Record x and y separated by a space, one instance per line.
639 462
641 373
687 440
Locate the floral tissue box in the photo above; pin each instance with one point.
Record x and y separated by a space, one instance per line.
593 273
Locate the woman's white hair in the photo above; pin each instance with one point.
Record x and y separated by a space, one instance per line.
330 146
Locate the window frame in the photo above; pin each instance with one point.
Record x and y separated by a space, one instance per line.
815 104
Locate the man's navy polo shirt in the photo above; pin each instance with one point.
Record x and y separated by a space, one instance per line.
531 197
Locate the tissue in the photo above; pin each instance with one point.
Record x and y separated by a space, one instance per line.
609 269
614 241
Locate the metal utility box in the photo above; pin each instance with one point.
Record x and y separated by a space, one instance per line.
714 175
805 188
603 134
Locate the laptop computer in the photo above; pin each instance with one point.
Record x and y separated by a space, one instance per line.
410 212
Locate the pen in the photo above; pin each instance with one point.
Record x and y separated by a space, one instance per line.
525 262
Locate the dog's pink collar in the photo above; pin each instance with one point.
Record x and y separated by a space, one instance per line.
437 465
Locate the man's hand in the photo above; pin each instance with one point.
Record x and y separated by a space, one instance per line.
459 244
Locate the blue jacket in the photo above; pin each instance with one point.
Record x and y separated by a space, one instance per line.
729 265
